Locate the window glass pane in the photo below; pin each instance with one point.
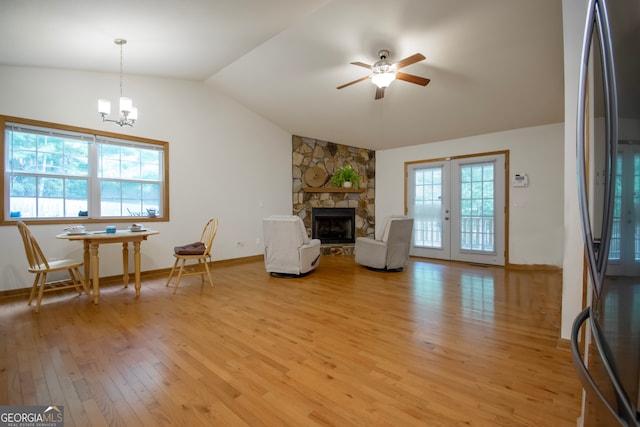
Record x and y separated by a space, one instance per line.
50 207
465 175
130 170
487 207
465 190
487 189
110 190
109 168
52 172
76 189
51 187
76 161
76 196
132 190
110 198
130 165
151 194
21 161
465 207
23 186
20 151
615 249
150 171
22 199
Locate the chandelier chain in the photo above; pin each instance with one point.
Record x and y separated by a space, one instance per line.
121 43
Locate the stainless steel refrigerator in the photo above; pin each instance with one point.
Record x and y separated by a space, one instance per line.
606 335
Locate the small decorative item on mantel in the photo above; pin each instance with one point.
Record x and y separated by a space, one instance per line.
346 177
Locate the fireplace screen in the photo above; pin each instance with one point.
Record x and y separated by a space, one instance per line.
333 225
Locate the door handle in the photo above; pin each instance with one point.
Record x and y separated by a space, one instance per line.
625 412
596 19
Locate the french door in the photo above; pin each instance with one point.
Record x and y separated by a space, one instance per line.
458 206
624 249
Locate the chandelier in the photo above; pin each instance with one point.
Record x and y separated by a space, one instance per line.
128 113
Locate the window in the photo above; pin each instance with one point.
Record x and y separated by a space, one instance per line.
58 173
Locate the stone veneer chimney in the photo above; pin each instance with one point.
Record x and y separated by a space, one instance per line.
312 153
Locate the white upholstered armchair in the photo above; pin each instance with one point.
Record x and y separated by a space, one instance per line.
391 250
288 251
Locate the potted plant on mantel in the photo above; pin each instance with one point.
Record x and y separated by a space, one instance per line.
346 177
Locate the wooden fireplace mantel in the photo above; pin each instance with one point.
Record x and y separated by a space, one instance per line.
332 190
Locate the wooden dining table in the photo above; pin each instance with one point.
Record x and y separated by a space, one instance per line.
93 239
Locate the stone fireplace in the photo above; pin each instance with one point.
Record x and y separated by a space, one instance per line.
313 164
333 225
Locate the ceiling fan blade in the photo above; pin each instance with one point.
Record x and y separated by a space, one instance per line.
353 82
409 60
362 64
379 92
412 79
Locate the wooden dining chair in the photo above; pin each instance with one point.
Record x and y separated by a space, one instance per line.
39 265
199 251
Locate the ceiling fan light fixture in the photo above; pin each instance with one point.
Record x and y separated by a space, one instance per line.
383 79
384 72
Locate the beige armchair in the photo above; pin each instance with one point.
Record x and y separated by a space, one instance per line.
391 251
288 251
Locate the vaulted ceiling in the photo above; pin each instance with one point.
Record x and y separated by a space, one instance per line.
494 64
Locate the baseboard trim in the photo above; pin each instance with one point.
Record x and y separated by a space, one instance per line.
545 267
149 274
508 266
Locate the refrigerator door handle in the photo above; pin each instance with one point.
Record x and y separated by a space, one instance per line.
596 17
586 379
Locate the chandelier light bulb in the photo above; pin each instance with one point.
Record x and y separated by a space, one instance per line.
104 106
125 105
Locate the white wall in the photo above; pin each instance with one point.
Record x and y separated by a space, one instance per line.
574 13
225 161
536 211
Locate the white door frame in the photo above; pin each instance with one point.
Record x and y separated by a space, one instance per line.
451 250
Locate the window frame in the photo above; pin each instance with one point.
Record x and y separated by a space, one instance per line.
94 193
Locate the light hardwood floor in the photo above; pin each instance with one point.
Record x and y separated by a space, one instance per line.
441 344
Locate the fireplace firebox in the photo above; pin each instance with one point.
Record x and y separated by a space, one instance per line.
333 225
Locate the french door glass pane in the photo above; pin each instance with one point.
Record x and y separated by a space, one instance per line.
477 217
614 243
428 208
636 205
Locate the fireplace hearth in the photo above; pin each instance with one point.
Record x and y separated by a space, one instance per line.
333 225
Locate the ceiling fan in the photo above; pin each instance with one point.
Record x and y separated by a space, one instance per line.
383 72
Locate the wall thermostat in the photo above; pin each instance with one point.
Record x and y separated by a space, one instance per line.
520 180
